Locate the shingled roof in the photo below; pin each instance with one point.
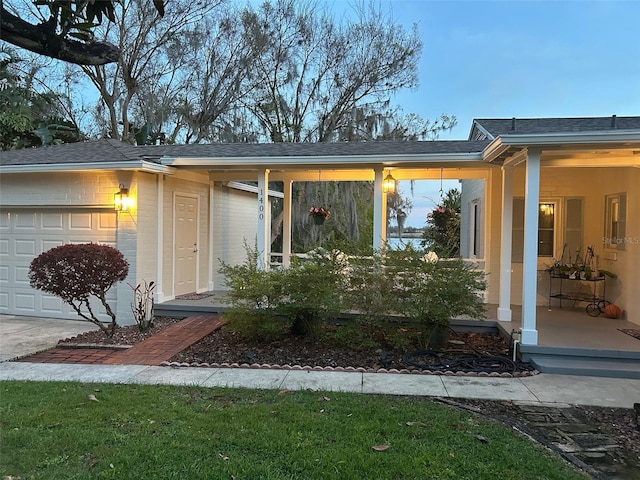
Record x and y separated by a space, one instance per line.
508 126
482 133
104 151
83 152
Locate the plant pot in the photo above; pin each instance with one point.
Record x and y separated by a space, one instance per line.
318 219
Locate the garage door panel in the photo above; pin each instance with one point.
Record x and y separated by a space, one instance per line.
51 304
107 222
53 221
49 244
26 234
25 247
80 222
24 221
21 277
25 302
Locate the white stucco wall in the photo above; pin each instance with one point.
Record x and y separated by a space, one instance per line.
235 222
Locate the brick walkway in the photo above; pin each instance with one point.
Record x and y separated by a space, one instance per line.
153 351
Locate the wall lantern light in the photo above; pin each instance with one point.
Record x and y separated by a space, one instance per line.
389 184
121 200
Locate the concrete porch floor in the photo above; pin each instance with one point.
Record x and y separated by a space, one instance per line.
572 327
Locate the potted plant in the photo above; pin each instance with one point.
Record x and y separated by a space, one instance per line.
319 214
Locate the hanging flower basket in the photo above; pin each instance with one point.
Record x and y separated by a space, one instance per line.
319 214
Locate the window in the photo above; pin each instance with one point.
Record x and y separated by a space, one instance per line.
474 230
614 222
546 230
560 222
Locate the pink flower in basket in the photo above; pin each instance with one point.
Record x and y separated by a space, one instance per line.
319 212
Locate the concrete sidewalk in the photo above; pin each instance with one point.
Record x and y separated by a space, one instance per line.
538 389
543 389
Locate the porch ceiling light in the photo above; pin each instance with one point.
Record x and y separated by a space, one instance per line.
121 200
389 184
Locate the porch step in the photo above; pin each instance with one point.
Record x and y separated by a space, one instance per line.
582 361
596 367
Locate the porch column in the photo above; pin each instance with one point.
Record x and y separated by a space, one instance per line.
264 220
159 291
286 224
379 211
530 264
504 306
212 217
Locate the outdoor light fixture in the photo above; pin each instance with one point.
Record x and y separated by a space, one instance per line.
121 199
389 184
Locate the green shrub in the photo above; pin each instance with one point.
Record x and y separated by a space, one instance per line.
387 288
311 290
76 272
305 293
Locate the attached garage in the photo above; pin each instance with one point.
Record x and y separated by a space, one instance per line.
25 233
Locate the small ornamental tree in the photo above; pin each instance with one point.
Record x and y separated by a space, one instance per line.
75 272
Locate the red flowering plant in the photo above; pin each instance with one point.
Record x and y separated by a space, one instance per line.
319 212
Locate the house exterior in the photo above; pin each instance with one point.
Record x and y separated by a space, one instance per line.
198 204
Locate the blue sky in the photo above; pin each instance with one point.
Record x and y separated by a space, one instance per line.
518 58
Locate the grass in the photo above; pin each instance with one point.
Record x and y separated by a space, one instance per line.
59 431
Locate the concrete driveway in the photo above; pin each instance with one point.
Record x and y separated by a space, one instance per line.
21 336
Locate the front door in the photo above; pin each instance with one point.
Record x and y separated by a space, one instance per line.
186 244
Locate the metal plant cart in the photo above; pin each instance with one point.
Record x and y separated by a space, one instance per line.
565 288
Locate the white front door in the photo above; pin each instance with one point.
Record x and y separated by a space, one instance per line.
186 244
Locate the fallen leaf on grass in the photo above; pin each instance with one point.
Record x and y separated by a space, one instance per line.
93 398
324 399
381 448
283 392
416 424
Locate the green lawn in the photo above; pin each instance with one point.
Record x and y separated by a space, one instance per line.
59 431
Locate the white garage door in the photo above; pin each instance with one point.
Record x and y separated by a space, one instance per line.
24 234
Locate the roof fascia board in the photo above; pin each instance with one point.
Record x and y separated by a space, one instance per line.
502 143
334 160
143 166
613 136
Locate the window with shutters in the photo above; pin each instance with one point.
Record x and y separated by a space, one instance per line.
560 228
614 222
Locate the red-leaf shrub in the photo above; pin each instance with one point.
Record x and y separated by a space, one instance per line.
74 272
